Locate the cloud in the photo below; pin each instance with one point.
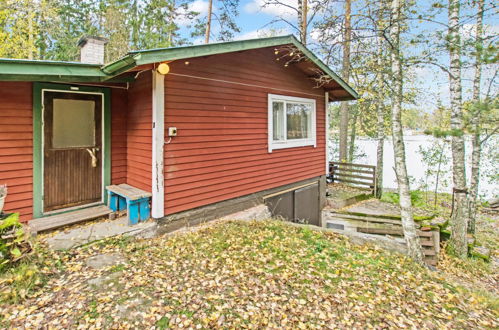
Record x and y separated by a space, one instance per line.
262 33
468 31
285 9
331 35
198 41
198 6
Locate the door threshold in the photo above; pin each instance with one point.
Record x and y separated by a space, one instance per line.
68 218
72 208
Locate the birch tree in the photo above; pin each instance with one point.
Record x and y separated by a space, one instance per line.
380 114
459 220
476 118
409 227
345 71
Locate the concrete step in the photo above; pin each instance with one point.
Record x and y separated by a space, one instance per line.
366 218
389 231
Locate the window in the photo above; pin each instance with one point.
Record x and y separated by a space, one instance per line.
73 123
291 122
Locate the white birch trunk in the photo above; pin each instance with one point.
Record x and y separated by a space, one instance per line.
345 72
353 135
459 220
379 117
476 121
410 233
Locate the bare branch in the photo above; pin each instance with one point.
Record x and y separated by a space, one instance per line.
489 135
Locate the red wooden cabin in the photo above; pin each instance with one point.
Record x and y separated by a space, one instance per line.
247 121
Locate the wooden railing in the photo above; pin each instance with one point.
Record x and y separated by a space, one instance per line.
360 175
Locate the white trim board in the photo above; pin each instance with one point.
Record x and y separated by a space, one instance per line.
311 141
158 142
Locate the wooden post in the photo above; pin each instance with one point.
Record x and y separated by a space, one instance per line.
158 142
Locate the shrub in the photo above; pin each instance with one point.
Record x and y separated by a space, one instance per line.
13 242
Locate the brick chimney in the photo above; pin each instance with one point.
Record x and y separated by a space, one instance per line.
92 49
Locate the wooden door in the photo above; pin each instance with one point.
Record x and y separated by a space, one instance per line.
72 149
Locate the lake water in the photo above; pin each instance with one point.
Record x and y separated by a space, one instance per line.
418 169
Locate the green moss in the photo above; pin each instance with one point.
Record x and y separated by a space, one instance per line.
444 234
388 216
478 255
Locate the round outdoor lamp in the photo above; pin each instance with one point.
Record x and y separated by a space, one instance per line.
163 68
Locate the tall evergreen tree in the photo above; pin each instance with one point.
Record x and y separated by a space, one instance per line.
225 16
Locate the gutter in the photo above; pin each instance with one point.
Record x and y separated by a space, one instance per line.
121 65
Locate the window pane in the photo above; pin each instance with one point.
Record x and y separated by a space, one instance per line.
278 120
73 123
298 120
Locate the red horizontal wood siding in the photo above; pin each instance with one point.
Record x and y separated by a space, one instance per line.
139 133
16 146
219 106
119 109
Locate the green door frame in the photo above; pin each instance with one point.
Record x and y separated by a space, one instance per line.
38 140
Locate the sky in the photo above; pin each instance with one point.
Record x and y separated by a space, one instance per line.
254 21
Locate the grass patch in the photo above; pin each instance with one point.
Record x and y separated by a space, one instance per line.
259 274
417 198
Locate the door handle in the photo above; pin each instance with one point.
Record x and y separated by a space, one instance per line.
91 152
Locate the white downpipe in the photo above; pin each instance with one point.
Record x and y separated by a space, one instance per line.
326 129
158 139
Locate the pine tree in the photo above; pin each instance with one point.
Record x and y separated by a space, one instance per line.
225 16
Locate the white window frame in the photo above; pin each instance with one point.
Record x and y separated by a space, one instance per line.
273 145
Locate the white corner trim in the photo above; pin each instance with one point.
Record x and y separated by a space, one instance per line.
158 140
269 122
311 141
326 128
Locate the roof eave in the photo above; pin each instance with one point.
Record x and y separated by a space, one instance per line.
143 57
211 49
29 70
26 70
354 95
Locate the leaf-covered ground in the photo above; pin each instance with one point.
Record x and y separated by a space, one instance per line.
245 274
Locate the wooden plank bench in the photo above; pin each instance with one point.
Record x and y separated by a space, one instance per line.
134 200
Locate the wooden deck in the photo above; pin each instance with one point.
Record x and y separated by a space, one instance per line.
67 218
